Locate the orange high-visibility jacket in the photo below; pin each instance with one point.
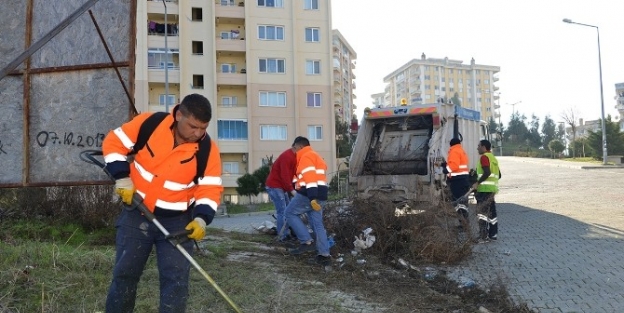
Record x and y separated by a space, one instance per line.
163 175
457 161
311 174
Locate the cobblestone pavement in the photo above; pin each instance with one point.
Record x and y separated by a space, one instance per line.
561 231
561 237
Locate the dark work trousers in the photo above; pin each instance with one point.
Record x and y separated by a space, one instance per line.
136 237
459 187
486 214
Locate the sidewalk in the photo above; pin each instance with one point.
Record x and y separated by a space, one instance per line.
564 163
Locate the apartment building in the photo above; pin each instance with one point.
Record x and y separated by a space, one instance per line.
619 97
265 65
430 80
344 79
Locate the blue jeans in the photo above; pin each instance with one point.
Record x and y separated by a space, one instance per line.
135 238
298 205
280 200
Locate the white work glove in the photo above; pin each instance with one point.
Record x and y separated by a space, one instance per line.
125 189
359 243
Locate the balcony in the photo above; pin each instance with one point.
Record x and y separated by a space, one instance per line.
157 75
620 107
229 180
337 103
496 88
495 79
238 45
158 41
237 79
157 7
238 111
229 9
353 85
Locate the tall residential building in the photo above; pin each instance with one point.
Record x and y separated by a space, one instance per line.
378 100
265 65
619 96
429 80
344 78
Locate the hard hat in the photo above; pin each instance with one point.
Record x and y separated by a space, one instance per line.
403 101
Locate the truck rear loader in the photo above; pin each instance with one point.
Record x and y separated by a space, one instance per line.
398 150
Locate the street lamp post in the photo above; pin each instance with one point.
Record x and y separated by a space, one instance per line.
166 61
604 129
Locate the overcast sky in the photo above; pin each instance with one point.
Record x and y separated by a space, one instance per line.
547 64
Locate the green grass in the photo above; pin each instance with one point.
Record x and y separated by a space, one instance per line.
256 207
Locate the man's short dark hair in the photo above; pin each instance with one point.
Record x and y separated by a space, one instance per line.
197 106
486 144
302 141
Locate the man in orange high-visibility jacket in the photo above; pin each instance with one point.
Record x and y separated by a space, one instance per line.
163 174
458 175
310 199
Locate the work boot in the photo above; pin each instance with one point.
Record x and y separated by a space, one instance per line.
303 248
321 260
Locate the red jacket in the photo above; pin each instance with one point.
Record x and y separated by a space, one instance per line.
283 171
163 175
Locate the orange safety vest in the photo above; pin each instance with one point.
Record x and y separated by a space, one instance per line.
311 174
457 161
163 175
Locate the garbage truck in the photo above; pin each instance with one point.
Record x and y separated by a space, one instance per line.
398 150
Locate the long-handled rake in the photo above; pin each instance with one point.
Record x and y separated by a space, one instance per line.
89 157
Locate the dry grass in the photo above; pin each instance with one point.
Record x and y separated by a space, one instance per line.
61 267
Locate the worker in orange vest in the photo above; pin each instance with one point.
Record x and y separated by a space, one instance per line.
164 173
458 176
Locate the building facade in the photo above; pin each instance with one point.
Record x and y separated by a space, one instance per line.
265 65
430 80
619 97
344 79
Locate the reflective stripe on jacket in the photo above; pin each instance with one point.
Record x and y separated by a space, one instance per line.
163 175
311 174
490 184
457 161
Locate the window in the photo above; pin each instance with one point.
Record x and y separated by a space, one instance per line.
227 3
198 47
313 67
311 5
228 68
427 77
312 34
198 82
314 100
232 129
270 32
157 58
272 66
272 99
230 168
233 34
162 97
486 81
427 97
315 132
273 132
229 101
271 3
196 14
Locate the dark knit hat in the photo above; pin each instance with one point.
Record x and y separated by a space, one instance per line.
455 141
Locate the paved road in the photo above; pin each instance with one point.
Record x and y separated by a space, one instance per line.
561 238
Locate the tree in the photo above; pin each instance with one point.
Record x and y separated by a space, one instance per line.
248 185
569 117
262 174
534 138
516 130
493 127
549 131
615 139
555 146
343 138
456 100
